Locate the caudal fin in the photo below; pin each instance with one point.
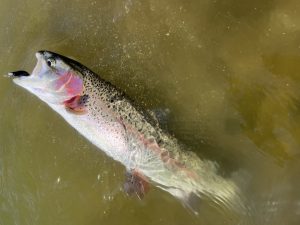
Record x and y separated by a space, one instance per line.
190 200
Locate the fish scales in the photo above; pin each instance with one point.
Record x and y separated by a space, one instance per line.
102 95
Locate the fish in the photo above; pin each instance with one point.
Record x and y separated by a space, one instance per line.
126 132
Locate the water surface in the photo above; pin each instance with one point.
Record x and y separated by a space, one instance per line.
227 70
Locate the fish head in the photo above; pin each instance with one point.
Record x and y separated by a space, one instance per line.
53 79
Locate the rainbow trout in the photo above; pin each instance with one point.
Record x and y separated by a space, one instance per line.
115 124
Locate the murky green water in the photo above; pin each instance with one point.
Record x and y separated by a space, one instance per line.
227 70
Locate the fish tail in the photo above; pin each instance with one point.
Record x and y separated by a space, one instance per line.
190 200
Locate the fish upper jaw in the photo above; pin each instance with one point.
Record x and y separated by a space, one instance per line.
39 54
39 65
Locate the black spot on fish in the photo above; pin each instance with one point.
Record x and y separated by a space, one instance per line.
84 99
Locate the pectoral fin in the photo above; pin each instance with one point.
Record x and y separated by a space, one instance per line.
77 104
136 183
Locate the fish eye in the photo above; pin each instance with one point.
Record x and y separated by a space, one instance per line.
51 62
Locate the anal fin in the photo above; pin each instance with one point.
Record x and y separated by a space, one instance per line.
136 183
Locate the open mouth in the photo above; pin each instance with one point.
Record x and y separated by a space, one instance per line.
25 79
36 70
